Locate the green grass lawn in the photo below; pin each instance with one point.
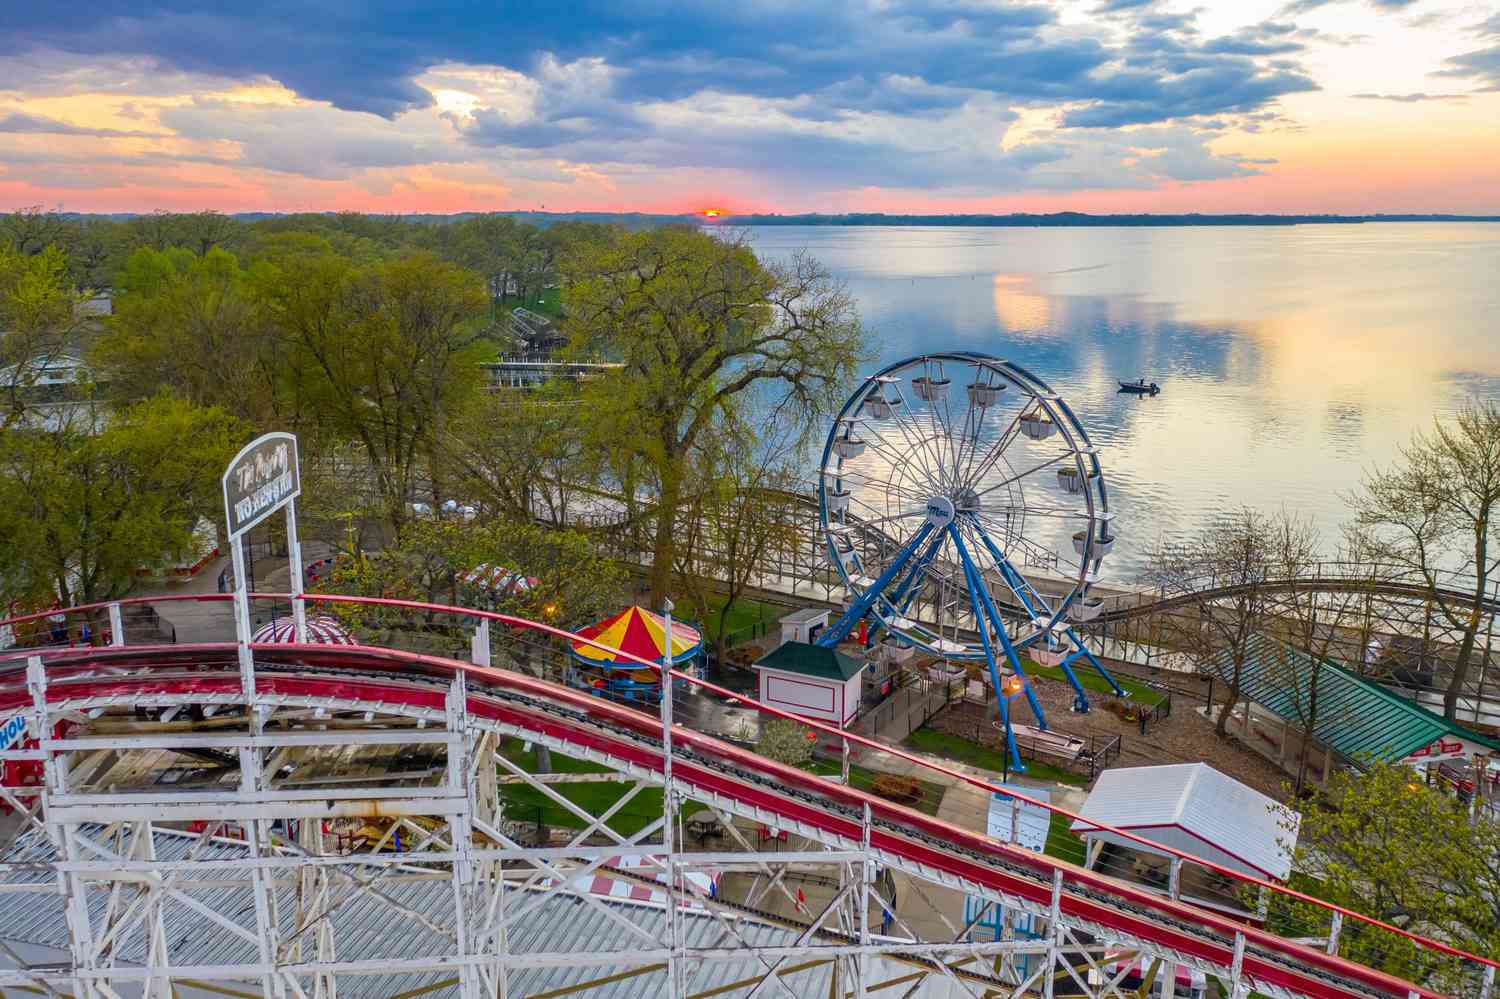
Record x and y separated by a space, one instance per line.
528 804
1061 843
860 777
1090 679
742 614
547 302
952 747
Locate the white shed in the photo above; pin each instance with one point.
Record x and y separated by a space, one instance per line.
1193 808
803 625
812 681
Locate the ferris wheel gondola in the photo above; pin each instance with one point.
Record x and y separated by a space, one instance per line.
970 523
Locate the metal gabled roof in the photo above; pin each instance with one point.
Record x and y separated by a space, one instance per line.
1196 809
1360 719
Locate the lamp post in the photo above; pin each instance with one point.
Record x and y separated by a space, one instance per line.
1009 688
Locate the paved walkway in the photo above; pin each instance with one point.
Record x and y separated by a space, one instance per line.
213 621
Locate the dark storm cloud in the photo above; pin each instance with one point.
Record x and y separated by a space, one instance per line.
913 58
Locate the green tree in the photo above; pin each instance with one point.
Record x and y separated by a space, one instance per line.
96 251
574 585
1218 578
522 454
382 356
204 231
1434 513
1385 845
37 309
188 323
731 522
490 245
702 327
32 230
83 508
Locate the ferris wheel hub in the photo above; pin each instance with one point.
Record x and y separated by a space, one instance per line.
966 500
939 512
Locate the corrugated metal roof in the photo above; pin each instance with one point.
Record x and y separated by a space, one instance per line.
1194 808
1359 719
367 929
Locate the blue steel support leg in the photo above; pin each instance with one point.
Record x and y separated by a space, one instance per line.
1080 697
1013 579
861 606
976 586
989 658
1083 650
902 598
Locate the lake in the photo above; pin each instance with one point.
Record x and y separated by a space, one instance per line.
1291 359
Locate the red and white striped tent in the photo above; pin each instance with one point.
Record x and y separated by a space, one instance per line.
600 883
498 579
320 631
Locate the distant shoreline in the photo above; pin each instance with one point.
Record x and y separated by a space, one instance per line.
1021 220
1083 220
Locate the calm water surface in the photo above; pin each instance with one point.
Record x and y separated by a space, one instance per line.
1291 359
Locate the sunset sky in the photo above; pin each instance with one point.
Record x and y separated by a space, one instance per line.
1346 106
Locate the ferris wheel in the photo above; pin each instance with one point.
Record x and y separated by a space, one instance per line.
965 509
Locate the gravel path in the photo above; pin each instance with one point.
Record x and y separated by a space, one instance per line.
1184 737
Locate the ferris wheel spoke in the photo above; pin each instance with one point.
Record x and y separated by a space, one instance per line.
997 452
874 522
973 419
1061 513
1035 603
896 460
946 431
940 435
917 444
892 491
1021 475
969 445
931 450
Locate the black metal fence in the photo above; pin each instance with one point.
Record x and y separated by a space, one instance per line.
1103 753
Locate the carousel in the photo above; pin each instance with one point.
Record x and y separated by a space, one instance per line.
637 632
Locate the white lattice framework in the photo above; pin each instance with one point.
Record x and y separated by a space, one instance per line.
268 892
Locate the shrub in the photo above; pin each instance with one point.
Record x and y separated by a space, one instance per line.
785 741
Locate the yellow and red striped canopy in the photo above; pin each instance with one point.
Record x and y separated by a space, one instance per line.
639 632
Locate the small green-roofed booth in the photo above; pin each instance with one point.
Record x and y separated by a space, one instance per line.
810 680
1285 692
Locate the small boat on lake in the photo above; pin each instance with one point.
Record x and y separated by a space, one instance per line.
1140 387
